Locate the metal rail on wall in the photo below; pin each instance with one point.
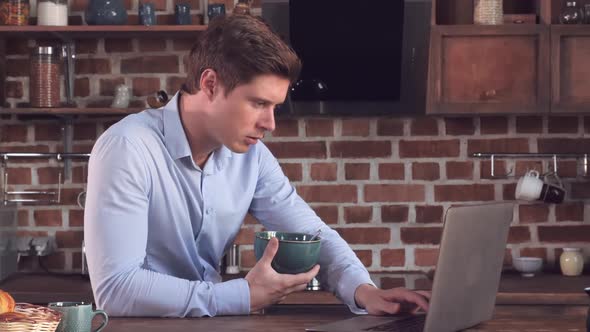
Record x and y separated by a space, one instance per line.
55 196
553 156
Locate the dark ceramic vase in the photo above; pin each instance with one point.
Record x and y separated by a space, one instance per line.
106 12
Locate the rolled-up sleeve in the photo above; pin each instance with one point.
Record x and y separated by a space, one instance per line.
277 206
115 234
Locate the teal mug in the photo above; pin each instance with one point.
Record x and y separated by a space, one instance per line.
77 316
297 253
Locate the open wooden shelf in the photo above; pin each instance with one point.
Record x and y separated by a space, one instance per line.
93 31
71 111
490 30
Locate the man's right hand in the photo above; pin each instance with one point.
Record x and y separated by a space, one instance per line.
269 287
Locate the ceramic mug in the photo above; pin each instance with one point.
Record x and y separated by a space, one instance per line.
81 199
553 190
529 186
77 316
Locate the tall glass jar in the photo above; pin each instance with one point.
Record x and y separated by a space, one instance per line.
52 12
14 12
571 261
488 12
44 79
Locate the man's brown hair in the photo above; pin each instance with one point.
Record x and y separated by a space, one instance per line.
239 48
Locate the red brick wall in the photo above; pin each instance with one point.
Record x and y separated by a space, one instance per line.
384 190
383 183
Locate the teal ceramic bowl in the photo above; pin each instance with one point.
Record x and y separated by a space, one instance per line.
296 252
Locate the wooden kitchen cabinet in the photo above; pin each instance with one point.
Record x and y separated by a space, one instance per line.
489 69
570 69
509 68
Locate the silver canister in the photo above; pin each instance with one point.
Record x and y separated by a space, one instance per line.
233 263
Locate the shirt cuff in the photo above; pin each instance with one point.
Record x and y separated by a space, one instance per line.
232 297
347 287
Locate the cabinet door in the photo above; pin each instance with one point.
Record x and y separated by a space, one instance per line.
570 62
489 69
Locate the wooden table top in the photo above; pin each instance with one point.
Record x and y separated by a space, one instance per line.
293 318
521 305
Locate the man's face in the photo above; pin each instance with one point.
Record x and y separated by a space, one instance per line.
242 118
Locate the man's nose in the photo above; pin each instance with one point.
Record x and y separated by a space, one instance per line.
267 122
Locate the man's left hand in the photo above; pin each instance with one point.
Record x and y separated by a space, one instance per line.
390 301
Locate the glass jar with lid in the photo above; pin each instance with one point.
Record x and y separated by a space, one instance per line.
52 12
44 78
14 12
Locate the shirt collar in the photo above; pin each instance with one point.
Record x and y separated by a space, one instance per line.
174 136
177 143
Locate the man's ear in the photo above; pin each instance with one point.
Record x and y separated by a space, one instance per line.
209 82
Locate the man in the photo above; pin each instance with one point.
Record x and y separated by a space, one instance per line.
168 190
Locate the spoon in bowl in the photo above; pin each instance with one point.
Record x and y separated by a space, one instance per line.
316 235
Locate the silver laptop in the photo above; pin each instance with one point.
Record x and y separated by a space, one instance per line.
466 279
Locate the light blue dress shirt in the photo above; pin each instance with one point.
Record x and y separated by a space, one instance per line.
156 225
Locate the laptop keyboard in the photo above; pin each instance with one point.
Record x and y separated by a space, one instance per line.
413 323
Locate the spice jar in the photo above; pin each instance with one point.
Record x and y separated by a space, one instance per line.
571 262
14 12
242 7
44 79
52 12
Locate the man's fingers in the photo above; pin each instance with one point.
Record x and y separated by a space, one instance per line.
302 278
270 251
297 288
420 300
389 307
404 295
426 294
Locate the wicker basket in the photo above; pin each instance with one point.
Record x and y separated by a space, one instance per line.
488 12
36 319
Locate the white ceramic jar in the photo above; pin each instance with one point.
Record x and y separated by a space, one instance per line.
52 12
571 262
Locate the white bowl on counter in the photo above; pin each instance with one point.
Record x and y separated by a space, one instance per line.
527 266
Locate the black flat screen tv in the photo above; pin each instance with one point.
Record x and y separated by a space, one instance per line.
359 57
